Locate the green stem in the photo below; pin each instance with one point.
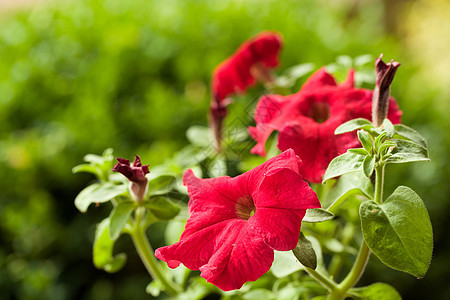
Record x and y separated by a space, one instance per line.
322 279
379 183
145 252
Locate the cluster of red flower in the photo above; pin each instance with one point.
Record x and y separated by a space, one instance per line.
236 223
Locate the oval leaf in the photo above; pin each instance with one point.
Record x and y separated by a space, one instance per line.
98 193
368 165
399 232
162 207
345 163
377 291
304 252
161 185
406 151
388 128
317 215
366 140
119 217
103 250
348 185
410 134
352 125
360 151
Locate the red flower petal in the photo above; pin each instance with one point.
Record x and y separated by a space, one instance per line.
279 227
243 256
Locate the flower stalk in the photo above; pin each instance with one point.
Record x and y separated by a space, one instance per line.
145 252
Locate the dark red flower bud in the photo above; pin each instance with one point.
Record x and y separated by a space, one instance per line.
380 101
135 174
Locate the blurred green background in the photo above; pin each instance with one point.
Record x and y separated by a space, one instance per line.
80 76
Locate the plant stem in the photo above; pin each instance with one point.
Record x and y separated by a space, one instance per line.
322 279
145 252
379 183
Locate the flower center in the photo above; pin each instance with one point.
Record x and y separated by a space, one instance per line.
245 207
319 111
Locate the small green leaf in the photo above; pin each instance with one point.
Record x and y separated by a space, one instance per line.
388 128
345 163
198 135
353 125
103 250
162 207
317 215
218 167
85 168
116 263
406 151
98 193
366 141
385 145
410 134
161 185
399 232
368 165
348 185
154 288
304 252
376 291
360 151
119 217
380 139
258 294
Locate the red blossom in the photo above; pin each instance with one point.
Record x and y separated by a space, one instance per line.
249 63
135 174
236 223
306 121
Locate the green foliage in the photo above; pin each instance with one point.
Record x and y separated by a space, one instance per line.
103 250
98 193
162 207
343 164
353 125
398 231
119 217
304 252
317 215
377 291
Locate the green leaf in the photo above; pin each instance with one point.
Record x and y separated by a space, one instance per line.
304 252
119 217
348 185
360 151
162 207
368 165
354 124
388 128
385 145
317 215
161 185
411 134
103 250
154 288
198 135
399 232
376 291
85 168
345 163
258 294
218 167
380 140
366 141
98 193
406 151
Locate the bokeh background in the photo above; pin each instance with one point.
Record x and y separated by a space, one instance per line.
79 76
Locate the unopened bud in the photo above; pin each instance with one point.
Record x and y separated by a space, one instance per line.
135 174
380 101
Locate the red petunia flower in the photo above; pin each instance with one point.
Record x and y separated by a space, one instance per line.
236 223
135 174
306 121
249 63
